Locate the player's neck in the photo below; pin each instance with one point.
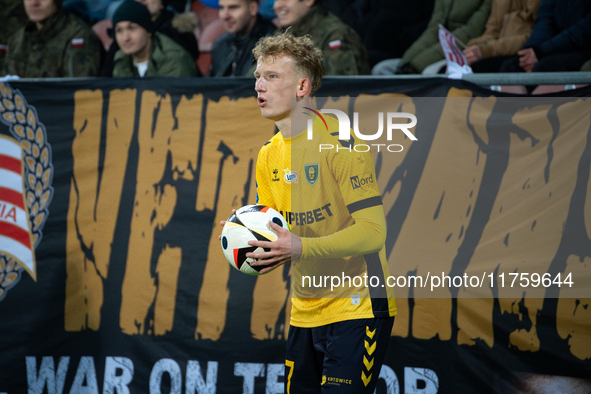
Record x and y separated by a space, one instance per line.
296 123
284 126
288 130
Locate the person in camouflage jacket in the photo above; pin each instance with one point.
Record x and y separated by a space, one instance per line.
13 17
52 44
344 53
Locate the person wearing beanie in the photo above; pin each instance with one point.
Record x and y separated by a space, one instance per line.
52 44
143 51
179 27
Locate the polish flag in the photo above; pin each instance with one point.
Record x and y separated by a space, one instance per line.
15 227
77 42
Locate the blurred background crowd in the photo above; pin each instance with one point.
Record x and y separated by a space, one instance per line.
124 38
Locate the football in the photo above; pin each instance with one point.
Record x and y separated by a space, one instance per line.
249 223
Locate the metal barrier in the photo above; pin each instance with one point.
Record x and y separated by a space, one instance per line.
541 78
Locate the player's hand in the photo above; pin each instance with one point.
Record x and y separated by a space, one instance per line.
473 54
223 223
287 248
527 59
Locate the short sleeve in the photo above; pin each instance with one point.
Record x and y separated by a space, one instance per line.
356 177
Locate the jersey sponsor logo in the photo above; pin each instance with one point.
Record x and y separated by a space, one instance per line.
334 381
361 181
311 173
290 177
275 175
307 217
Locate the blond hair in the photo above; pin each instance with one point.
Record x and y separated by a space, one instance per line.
307 55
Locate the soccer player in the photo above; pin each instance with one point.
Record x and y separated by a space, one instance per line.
337 340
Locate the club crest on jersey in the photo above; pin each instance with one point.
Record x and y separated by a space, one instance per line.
290 176
311 172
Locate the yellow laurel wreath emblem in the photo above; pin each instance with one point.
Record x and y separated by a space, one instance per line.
24 125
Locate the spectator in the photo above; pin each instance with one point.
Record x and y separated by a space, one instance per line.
145 52
231 54
507 29
178 27
52 44
464 19
403 19
560 40
13 17
344 53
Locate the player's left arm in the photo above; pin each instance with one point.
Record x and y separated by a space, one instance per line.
366 235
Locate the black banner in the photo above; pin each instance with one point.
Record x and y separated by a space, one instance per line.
124 288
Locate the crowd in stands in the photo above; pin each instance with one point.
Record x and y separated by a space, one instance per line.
125 38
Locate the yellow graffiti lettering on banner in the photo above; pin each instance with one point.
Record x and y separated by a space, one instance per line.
154 204
94 205
231 149
517 240
435 225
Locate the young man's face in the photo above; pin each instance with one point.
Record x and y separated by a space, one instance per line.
154 6
277 82
237 16
290 11
39 10
133 39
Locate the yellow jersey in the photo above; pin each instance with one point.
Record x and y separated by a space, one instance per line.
330 198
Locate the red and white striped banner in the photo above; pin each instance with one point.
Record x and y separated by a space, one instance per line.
15 228
450 48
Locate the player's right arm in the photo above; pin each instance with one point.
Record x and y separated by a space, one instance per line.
263 188
263 191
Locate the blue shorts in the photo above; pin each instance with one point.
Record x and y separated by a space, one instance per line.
343 357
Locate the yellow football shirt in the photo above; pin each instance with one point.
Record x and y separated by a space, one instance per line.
330 198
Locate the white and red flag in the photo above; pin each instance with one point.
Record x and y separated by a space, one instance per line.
15 227
456 61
